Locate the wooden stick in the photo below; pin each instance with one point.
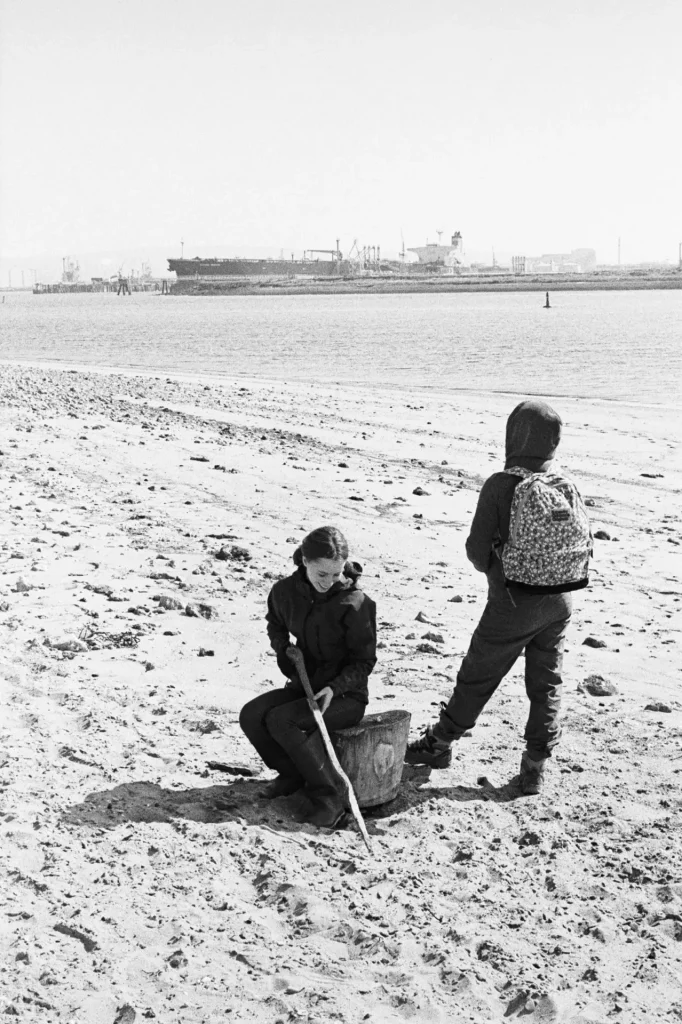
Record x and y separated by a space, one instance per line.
296 656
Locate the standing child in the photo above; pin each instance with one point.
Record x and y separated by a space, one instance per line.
531 536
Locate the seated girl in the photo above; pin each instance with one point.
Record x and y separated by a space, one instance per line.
334 625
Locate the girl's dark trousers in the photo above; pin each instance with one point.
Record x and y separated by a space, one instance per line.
281 727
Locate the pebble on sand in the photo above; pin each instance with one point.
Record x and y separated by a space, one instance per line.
77 646
205 726
196 609
436 638
428 649
125 1014
168 602
598 686
233 554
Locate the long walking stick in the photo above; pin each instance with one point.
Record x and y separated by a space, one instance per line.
296 657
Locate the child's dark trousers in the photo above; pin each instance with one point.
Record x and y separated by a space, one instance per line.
511 624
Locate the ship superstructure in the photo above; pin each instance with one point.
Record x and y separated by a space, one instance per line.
433 255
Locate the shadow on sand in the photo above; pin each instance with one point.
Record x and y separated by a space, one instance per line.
239 800
412 794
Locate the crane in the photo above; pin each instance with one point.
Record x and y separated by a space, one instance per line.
336 253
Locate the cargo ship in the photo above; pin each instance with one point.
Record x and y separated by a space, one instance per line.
214 270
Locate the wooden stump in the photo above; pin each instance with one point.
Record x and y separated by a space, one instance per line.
372 755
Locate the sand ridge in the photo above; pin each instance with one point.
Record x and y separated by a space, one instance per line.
143 884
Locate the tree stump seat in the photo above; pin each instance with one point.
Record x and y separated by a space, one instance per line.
372 755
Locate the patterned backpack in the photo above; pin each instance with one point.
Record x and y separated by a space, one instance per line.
550 540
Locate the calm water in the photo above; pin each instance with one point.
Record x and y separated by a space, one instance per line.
623 346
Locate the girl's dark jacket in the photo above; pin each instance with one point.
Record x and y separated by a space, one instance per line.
335 631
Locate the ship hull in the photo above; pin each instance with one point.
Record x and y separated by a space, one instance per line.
216 270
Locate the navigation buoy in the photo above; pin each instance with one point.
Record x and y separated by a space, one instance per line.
546 305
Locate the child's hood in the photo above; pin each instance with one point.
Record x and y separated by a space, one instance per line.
533 435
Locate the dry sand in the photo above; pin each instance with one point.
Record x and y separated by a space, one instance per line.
138 883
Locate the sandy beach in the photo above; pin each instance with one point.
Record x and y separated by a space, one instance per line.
146 519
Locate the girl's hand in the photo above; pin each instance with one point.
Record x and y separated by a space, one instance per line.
324 696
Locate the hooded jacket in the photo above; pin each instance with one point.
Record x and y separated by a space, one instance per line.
532 437
335 631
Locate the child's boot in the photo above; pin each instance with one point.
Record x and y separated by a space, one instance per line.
430 749
283 785
531 777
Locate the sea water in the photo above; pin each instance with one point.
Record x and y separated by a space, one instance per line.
614 345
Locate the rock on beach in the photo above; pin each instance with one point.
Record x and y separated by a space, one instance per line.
598 686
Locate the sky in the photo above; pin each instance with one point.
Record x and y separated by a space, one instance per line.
529 126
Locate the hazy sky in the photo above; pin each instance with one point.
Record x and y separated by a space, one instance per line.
530 125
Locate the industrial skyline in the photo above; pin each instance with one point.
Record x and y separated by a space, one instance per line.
133 261
267 124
